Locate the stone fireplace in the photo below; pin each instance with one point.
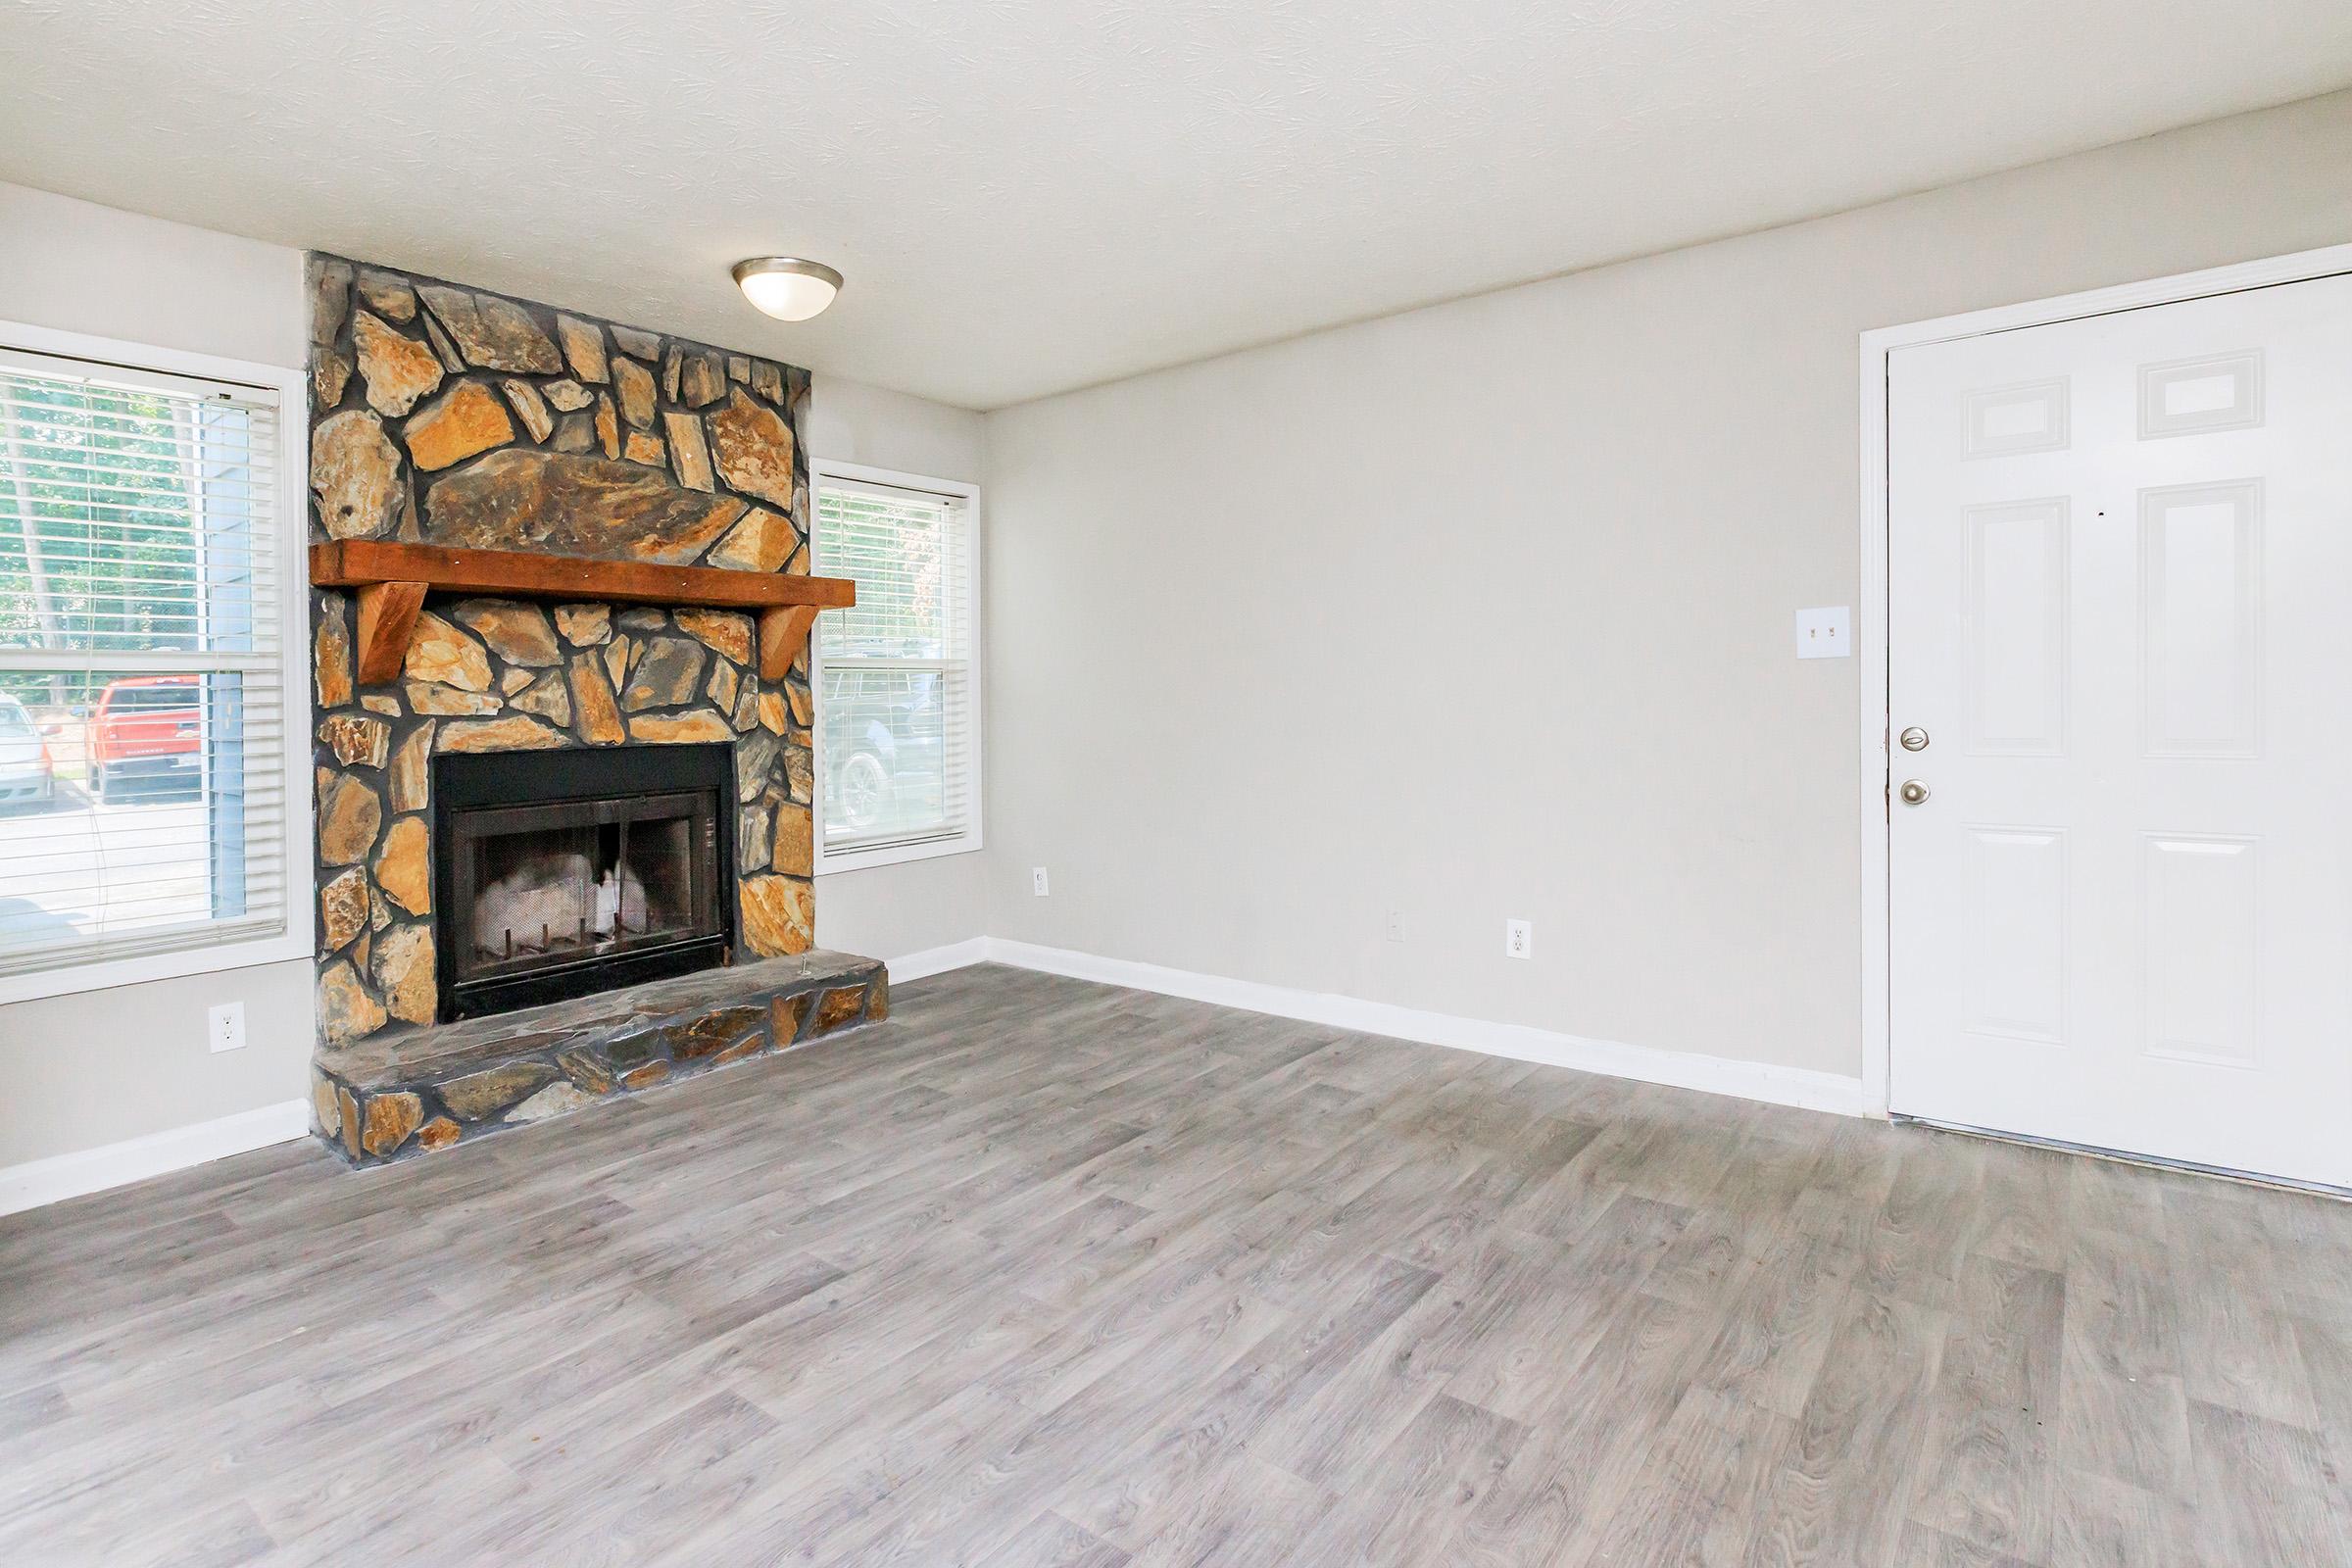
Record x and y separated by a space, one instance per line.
542 798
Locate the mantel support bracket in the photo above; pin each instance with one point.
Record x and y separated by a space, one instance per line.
783 633
387 615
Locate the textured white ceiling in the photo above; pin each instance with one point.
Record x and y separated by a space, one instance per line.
1030 197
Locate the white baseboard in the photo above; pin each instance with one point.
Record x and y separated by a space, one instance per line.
93 1170
1714 1075
937 961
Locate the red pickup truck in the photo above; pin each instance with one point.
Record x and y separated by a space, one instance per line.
144 726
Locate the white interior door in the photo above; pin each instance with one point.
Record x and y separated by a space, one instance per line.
2120 573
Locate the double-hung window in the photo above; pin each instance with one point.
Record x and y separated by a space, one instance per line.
897 688
143 674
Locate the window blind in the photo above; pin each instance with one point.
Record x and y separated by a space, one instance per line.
895 696
143 685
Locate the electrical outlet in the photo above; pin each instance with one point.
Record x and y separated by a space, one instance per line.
224 1027
1518 939
1395 925
1037 880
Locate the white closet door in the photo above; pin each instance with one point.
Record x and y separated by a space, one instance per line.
2121 613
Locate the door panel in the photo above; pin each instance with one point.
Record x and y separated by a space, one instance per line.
2120 555
2016 981
2017 622
2203 917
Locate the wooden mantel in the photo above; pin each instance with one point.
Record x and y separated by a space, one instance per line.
392 580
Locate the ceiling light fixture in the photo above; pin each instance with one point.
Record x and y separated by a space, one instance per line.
786 287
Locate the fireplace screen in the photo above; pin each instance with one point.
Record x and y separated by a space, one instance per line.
553 891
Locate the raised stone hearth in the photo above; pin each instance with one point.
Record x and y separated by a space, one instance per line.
391 1096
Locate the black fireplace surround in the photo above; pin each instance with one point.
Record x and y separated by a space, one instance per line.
558 873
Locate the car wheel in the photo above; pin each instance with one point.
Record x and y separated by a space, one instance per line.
862 790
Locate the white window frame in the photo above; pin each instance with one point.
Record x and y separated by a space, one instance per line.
294 642
829 862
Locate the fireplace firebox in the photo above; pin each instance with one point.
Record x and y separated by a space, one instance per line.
564 872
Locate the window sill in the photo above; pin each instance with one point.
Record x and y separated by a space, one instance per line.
105 974
834 862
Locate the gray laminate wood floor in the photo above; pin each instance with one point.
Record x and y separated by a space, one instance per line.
1049 1273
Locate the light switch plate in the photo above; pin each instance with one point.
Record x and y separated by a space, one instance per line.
1825 634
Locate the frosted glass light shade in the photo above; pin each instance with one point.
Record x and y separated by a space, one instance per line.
786 287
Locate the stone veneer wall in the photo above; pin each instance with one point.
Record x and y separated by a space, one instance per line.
447 416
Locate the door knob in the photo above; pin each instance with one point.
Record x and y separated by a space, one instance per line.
1912 792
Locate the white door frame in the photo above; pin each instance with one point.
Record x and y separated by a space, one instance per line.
1871 613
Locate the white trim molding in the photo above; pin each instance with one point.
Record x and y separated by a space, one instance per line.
937 961
94 1170
1714 1075
1870 629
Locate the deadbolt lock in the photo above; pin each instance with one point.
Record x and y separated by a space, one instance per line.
1913 739
1912 792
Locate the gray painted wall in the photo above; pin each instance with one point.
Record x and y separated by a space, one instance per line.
1486 611
1477 611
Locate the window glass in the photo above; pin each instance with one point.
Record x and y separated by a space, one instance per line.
140 683
894 697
